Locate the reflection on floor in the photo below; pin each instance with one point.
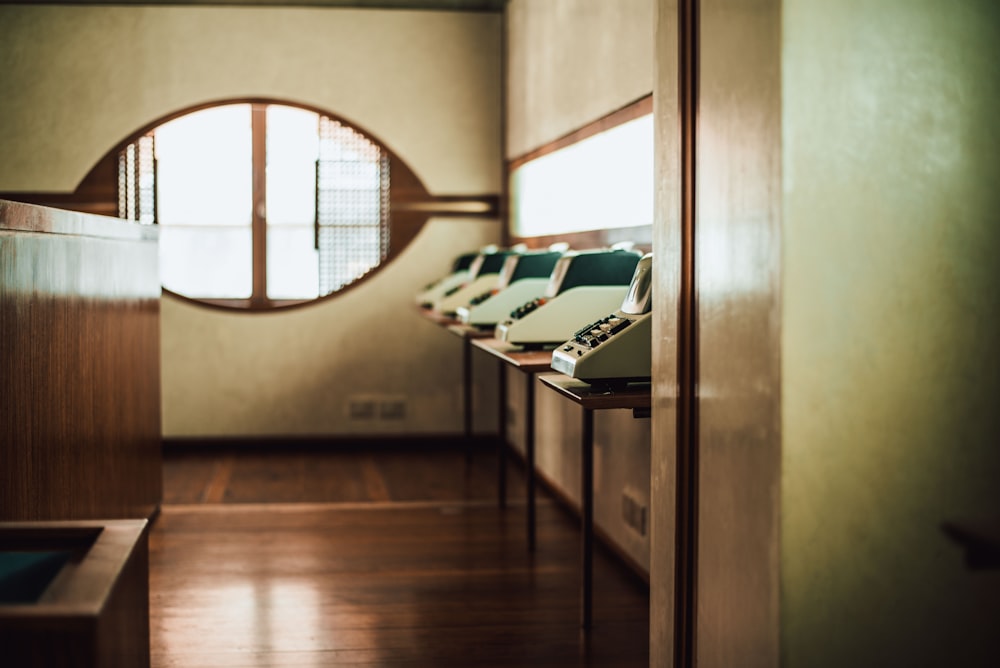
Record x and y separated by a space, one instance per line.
391 559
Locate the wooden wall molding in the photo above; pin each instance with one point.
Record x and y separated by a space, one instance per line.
686 500
298 443
631 111
640 235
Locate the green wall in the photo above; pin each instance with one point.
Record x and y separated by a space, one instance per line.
890 330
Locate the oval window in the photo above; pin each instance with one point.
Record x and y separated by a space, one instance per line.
261 204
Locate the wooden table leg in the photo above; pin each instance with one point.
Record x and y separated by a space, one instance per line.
529 455
467 401
587 517
502 445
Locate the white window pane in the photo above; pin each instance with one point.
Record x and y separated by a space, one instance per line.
208 262
292 146
205 167
604 181
205 194
292 263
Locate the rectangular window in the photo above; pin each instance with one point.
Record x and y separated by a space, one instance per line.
602 182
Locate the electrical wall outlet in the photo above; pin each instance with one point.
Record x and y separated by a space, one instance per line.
634 512
376 407
392 408
598 467
361 408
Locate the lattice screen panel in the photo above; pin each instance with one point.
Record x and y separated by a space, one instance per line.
137 181
352 205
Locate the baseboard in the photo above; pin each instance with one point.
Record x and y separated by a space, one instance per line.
428 443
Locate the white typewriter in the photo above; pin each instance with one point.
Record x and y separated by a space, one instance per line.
584 285
615 348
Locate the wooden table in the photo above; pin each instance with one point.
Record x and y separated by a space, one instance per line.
636 397
529 362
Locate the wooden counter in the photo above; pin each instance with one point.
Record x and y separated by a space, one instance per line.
79 366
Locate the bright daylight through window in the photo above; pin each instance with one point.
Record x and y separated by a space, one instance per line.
259 204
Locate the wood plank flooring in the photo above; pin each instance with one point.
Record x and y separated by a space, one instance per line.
295 475
394 574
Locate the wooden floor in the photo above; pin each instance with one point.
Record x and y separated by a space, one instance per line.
260 560
323 476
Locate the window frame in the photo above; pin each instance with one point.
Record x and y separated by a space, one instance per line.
411 204
407 214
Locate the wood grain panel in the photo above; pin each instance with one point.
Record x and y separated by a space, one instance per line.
738 322
79 366
667 247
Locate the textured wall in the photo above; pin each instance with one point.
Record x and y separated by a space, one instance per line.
891 322
294 372
427 84
418 81
572 62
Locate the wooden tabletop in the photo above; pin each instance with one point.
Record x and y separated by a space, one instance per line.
437 317
596 397
455 326
528 361
469 332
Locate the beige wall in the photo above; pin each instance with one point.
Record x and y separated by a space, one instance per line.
891 324
86 77
572 62
427 84
296 371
